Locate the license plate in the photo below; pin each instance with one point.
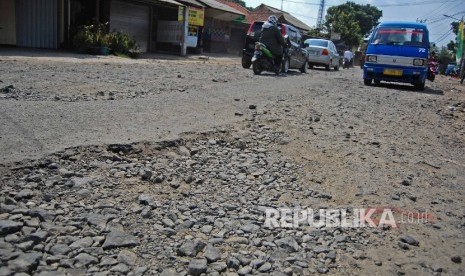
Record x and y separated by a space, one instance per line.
313 53
392 72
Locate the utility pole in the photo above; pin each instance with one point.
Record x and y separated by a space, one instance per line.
321 10
184 31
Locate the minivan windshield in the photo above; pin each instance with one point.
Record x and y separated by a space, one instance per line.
400 36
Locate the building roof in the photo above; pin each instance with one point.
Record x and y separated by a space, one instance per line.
192 2
169 2
220 6
258 14
248 17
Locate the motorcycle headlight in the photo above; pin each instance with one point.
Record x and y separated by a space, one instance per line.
371 58
418 62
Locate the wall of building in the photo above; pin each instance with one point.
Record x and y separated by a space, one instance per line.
7 22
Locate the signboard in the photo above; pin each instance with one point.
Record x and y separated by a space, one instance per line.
196 15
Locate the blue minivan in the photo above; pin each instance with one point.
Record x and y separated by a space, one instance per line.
397 52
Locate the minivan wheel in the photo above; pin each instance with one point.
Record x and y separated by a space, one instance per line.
420 86
246 62
303 69
367 81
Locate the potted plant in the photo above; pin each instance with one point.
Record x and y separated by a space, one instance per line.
102 41
83 39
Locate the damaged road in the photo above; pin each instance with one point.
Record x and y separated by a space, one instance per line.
173 167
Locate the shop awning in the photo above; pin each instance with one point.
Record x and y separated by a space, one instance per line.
220 11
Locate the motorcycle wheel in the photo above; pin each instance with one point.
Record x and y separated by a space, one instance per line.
257 70
246 62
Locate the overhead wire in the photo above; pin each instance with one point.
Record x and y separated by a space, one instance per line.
433 18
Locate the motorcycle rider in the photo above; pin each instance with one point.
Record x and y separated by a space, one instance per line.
273 39
349 56
433 64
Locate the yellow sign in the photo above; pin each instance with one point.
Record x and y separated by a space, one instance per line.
195 15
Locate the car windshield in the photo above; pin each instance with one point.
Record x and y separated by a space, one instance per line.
400 36
317 42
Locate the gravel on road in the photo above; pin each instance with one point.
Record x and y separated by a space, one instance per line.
163 166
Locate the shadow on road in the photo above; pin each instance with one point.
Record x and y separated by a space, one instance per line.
281 75
12 52
410 88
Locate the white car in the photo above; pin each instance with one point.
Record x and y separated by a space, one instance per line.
322 52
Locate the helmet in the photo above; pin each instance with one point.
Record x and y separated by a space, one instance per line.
273 20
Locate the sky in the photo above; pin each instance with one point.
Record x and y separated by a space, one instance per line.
432 11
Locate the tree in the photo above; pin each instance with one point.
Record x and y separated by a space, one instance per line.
352 21
445 56
242 3
452 45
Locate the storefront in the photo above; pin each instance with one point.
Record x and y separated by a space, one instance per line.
133 19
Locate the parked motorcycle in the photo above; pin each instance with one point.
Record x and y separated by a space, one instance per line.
432 69
264 60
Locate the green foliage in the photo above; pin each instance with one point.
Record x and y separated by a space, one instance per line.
317 32
121 43
445 56
455 27
352 21
452 45
83 39
242 3
89 37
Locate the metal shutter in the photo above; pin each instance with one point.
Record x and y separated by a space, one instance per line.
131 19
36 23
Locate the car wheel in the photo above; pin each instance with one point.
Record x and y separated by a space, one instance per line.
303 69
336 68
257 70
367 81
377 82
327 67
246 62
310 66
285 65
